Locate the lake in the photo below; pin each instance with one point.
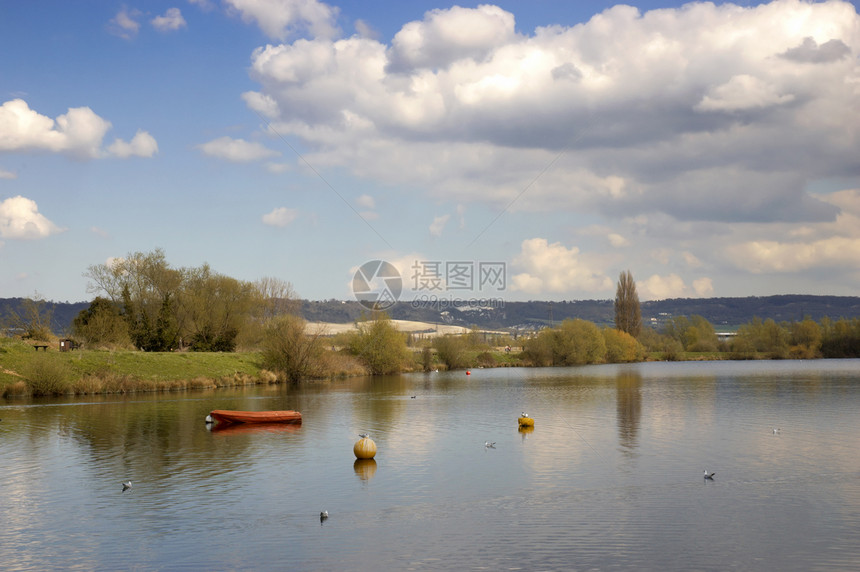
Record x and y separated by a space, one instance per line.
611 477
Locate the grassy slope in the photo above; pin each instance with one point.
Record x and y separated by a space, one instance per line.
15 355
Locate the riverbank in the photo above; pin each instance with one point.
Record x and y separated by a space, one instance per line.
27 371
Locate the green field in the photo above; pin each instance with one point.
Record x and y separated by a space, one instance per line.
86 371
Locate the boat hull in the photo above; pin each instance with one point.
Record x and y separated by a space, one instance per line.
227 416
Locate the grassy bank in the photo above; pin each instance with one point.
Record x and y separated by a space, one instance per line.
25 371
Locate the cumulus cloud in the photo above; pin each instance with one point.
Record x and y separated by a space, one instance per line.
125 24
236 150
4 174
279 19
141 145
172 20
20 218
743 92
79 133
280 217
445 36
629 112
556 269
662 287
766 256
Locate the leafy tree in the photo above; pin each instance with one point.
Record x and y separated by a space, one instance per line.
840 339
621 347
762 336
214 308
147 287
290 350
101 323
695 333
628 313
452 350
379 345
579 342
574 342
805 339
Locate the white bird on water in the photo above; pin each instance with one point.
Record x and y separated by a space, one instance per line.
364 435
324 515
524 414
709 476
126 485
776 430
489 445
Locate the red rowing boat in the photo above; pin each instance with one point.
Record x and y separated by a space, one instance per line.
227 416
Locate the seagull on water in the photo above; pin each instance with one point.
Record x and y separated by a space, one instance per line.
489 445
364 435
323 515
776 430
709 476
126 485
524 414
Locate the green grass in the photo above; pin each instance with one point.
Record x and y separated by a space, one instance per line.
157 369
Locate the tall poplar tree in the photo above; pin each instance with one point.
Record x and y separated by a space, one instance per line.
628 314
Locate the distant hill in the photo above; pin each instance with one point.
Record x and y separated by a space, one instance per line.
62 313
723 313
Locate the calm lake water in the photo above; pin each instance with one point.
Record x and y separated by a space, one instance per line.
610 478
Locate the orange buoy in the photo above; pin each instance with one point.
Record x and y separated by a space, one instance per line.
364 448
468 372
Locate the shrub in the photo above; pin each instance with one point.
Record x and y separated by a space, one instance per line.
452 351
379 345
621 347
47 375
290 351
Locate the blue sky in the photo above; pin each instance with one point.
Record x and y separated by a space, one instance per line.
713 149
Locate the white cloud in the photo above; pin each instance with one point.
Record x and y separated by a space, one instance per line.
141 145
555 269
766 256
445 36
78 133
236 150
438 224
280 217
20 218
262 104
659 287
281 18
124 24
171 21
99 232
742 92
705 112
4 174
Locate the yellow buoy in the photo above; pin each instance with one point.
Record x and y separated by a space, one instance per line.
364 448
526 421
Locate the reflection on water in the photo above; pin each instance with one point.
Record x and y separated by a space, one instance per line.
609 477
628 400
